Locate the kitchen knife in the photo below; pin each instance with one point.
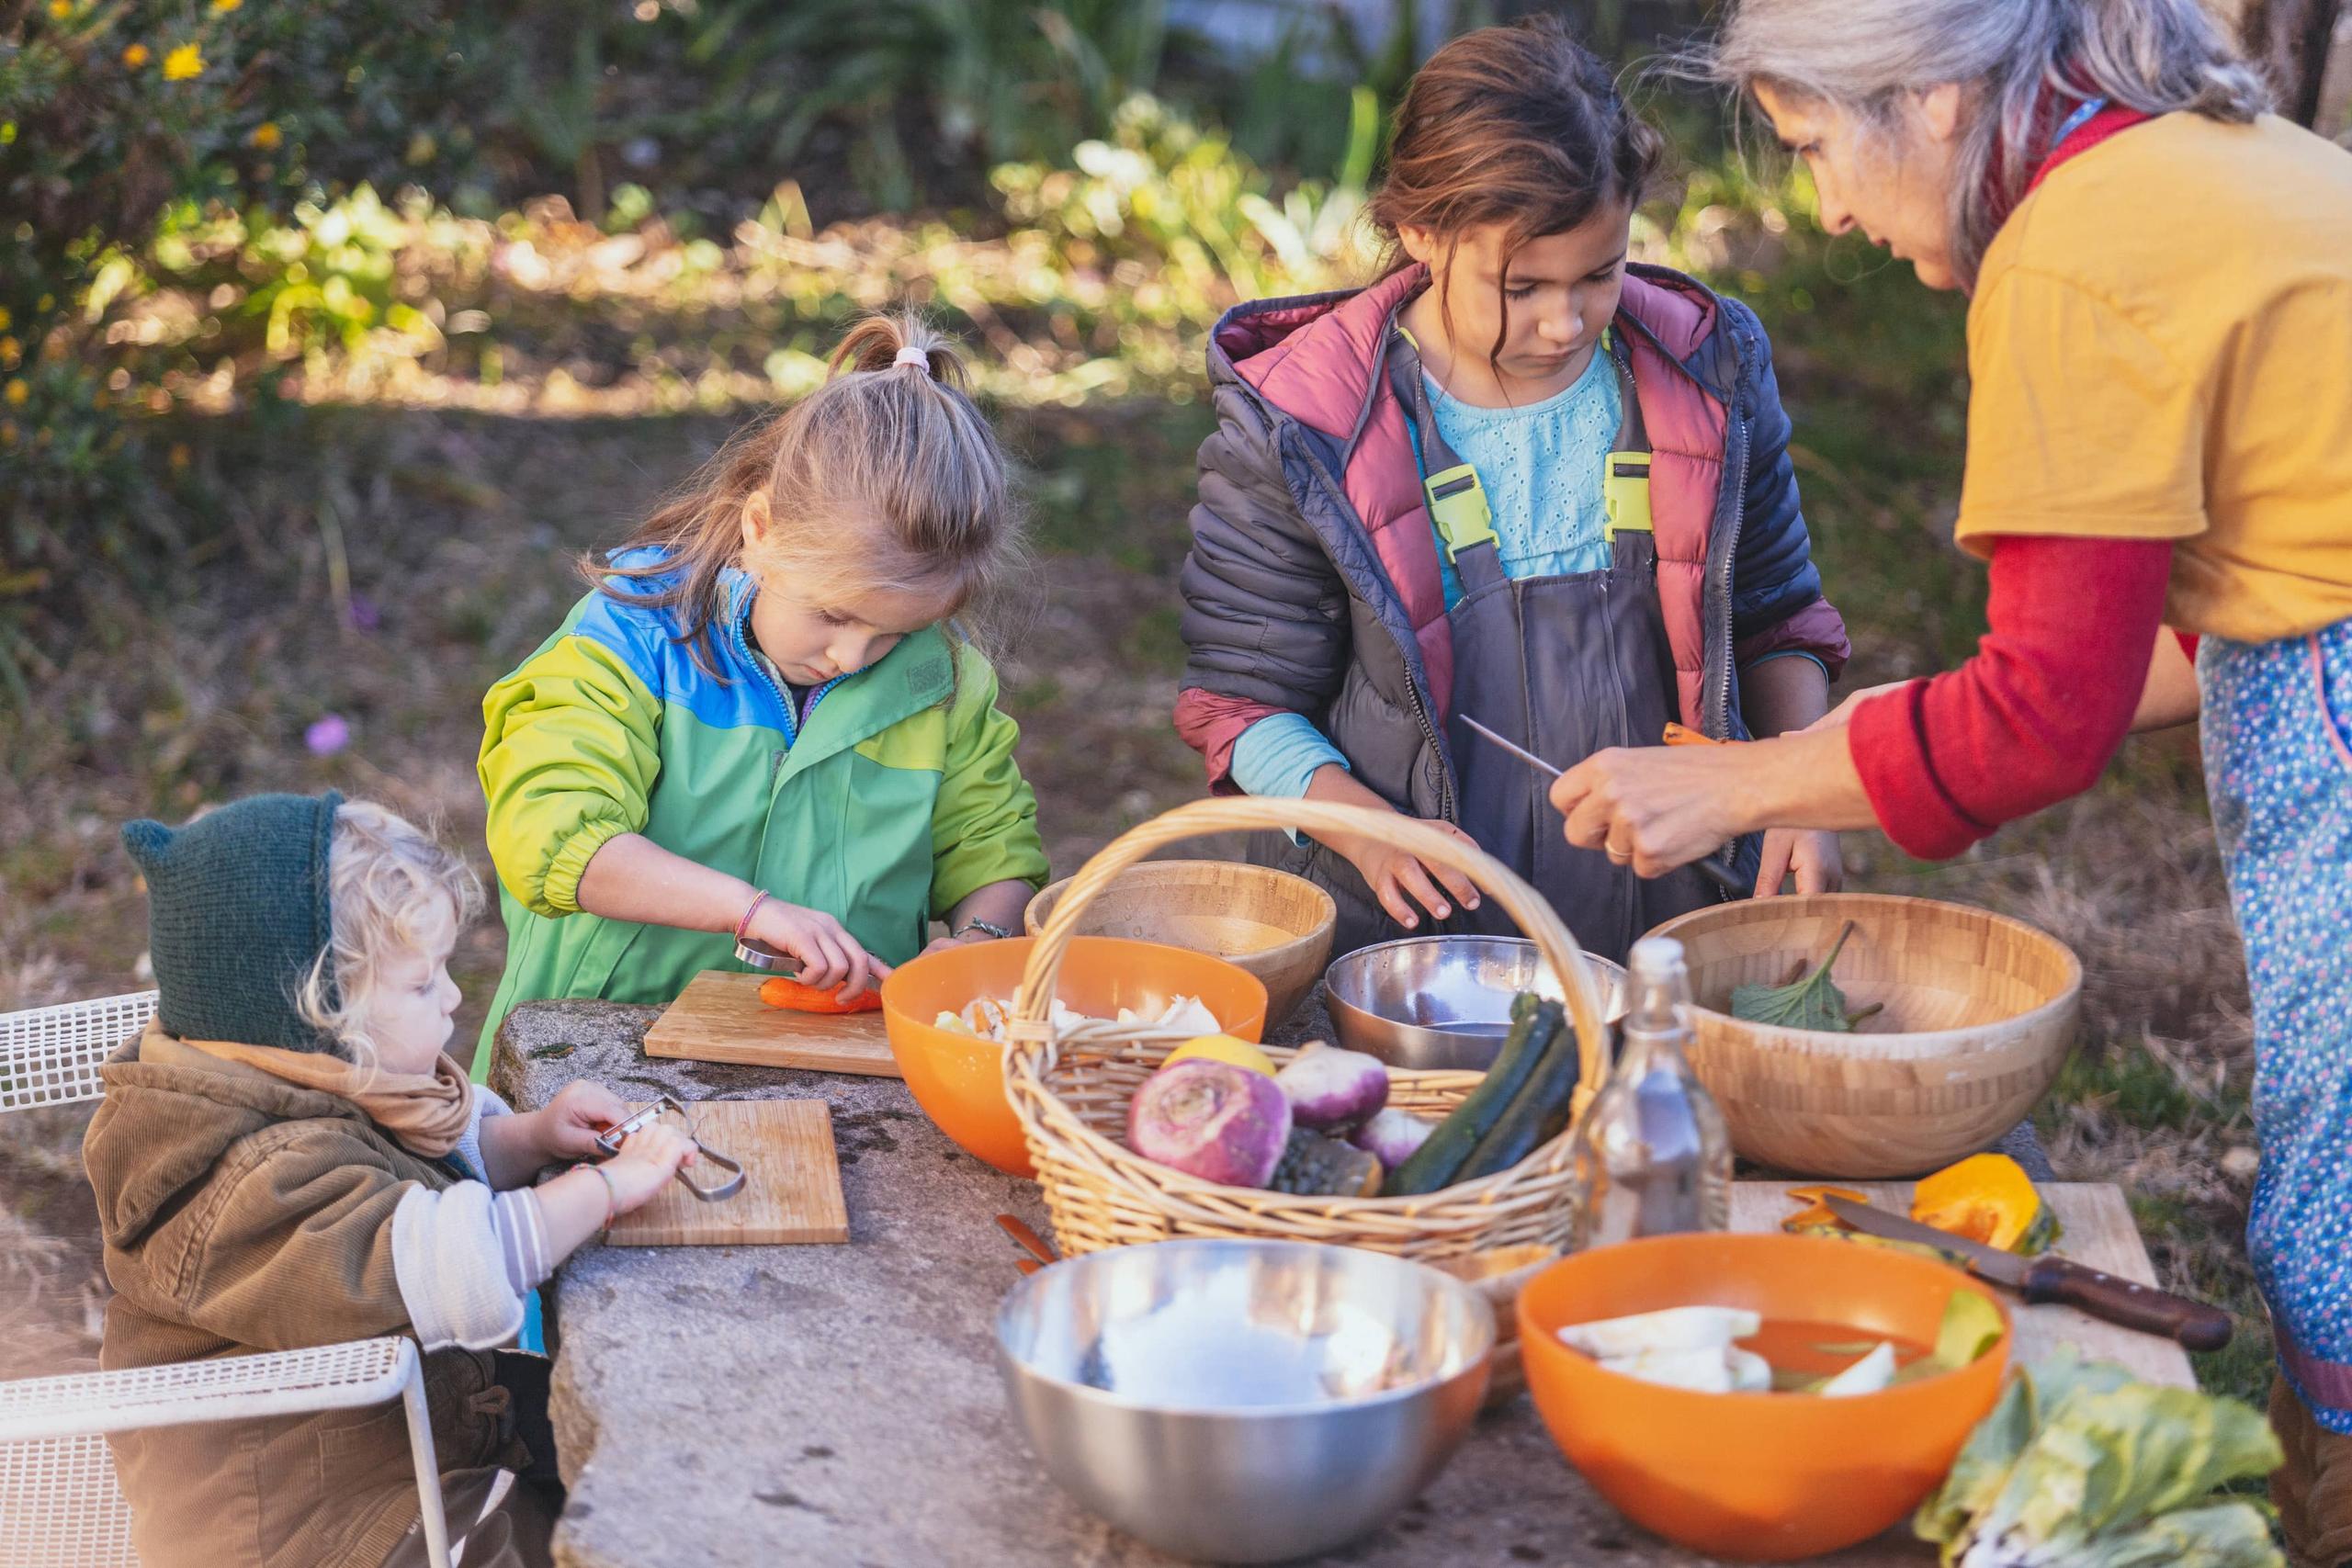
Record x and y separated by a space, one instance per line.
2052 1278
1711 868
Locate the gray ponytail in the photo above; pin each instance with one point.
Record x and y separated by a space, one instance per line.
2155 56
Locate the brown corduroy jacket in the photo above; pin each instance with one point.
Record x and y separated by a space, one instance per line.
242 1213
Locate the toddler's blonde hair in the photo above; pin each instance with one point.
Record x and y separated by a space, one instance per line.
886 477
390 887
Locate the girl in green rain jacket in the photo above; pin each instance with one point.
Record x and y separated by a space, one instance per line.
756 725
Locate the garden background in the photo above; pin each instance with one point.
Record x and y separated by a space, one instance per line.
331 333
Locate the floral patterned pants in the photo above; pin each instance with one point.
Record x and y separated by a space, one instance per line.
2277 742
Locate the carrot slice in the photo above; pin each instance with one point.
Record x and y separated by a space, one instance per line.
1679 735
793 996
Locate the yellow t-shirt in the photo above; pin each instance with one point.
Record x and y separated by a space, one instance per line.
2161 347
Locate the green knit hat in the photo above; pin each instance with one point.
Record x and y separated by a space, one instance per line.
237 915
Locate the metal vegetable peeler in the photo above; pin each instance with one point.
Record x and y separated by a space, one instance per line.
751 950
609 1140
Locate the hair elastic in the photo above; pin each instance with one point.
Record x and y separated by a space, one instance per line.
911 354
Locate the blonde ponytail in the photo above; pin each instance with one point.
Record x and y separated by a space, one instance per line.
886 479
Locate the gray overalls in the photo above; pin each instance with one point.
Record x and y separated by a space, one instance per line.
1566 666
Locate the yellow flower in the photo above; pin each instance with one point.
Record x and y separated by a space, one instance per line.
11 351
226 4
6 320
60 9
183 63
18 392
134 57
266 136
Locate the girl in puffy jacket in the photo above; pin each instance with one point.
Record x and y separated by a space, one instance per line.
1519 480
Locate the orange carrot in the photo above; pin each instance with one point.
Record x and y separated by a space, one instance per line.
793 996
1678 735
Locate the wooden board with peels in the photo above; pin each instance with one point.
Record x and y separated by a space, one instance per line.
719 1018
791 1189
2098 1230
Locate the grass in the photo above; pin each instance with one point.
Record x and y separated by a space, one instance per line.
385 554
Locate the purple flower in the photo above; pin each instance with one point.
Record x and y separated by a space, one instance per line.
327 735
365 617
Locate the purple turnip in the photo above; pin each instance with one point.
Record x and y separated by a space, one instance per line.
1211 1120
1391 1137
1331 1091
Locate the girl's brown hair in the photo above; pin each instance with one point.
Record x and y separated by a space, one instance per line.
886 478
1520 126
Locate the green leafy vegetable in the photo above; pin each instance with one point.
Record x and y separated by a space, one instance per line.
2081 1465
1807 1001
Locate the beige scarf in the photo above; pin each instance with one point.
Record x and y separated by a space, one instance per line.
426 1112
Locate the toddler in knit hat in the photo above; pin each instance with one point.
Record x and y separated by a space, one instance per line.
287 1157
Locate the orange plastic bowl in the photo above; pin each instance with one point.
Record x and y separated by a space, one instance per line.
1759 1477
959 1081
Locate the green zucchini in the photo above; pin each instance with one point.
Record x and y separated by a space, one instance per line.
1536 1116
1534 1023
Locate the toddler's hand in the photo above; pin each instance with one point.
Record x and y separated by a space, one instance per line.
831 959
570 1122
649 1158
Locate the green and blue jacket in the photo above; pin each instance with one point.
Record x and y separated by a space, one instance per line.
888 801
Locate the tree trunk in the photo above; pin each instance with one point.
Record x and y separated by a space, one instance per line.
2291 40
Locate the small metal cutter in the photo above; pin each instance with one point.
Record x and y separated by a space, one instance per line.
609 1140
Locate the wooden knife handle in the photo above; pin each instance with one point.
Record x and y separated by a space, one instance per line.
2194 1324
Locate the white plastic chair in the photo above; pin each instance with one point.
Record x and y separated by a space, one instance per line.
60 1506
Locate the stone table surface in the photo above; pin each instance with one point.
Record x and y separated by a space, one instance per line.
839 1404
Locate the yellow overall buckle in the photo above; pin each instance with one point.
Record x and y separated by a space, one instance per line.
1625 493
1458 507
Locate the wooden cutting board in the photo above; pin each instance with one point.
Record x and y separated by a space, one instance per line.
719 1018
2098 1230
792 1192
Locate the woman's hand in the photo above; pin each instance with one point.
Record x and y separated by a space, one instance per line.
570 1122
831 959
1652 807
1660 807
1808 854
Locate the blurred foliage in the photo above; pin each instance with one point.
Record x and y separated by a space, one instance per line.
111 113
563 207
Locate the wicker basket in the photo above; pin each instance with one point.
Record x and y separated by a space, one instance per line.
1070 1091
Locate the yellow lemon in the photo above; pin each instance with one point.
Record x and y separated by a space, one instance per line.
1223 1048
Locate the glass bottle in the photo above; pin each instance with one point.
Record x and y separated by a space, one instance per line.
1653 1156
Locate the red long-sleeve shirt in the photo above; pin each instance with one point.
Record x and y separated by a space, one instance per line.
2034 716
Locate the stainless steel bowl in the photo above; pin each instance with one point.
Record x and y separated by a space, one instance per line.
1243 1401
1444 1002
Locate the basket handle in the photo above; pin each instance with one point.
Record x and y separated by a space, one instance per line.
1031 1036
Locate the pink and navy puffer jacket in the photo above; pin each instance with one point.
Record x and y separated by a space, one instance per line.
1313 586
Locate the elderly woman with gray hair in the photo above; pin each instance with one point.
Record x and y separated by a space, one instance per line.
2159 472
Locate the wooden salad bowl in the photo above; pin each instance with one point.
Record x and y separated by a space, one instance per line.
1271 923
1979 1012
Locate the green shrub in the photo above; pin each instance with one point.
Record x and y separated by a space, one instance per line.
114 113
